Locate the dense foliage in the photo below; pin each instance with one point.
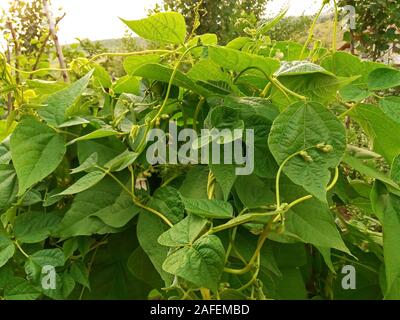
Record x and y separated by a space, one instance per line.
77 192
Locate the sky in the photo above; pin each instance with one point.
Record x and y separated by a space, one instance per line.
98 19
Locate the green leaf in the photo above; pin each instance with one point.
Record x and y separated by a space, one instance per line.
299 68
127 84
213 208
383 78
58 103
254 192
239 61
391 107
183 233
312 222
85 215
20 289
33 227
163 73
84 183
149 228
51 257
7 250
141 267
80 273
97 134
167 27
369 171
318 87
74 121
106 149
395 170
302 126
134 62
6 129
387 207
89 163
168 201
36 151
8 185
109 277
377 125
226 176
201 264
122 161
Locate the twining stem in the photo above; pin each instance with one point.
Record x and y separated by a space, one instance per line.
263 237
136 200
174 72
311 32
278 176
254 276
328 188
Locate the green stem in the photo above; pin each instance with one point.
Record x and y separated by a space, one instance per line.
128 54
200 104
135 200
335 24
174 72
21 250
311 33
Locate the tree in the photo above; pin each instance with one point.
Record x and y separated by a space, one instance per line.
30 33
377 26
224 18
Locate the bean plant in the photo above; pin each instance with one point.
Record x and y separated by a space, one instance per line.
80 201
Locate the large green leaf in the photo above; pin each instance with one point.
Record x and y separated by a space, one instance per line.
303 126
36 151
54 113
167 27
201 264
8 185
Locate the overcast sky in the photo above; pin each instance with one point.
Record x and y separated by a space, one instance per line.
98 19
